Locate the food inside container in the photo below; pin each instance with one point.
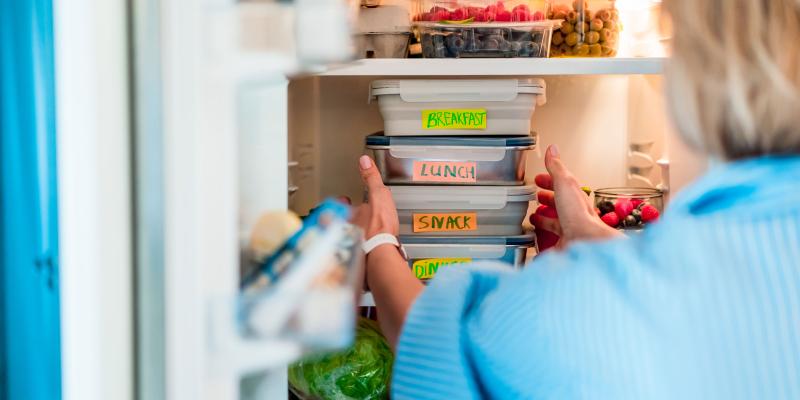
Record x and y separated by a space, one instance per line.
451 160
428 254
629 208
383 32
588 28
485 40
464 107
480 11
461 210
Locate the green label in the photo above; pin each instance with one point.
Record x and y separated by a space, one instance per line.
426 268
454 119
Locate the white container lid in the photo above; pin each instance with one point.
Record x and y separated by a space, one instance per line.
386 19
459 197
461 90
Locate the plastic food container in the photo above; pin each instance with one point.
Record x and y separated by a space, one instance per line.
426 254
383 32
486 40
629 208
461 210
485 107
504 11
451 161
589 28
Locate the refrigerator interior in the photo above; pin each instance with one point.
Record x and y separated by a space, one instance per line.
611 130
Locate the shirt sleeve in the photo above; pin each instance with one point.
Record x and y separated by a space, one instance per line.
485 331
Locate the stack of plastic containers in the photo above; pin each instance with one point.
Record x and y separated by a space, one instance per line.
453 153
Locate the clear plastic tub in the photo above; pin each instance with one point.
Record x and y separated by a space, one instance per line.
382 45
451 161
588 28
632 208
426 254
462 210
503 11
466 107
485 40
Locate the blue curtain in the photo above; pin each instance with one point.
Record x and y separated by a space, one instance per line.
29 308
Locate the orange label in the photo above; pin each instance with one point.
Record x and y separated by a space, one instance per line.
445 222
445 171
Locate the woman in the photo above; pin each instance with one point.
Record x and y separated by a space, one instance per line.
704 304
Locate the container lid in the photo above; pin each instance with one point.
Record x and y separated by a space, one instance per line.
476 141
462 90
517 240
459 197
385 19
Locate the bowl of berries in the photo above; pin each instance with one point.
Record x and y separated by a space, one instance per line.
629 208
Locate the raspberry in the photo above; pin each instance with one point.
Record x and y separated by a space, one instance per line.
459 14
503 16
521 7
537 16
611 219
637 202
520 15
623 207
649 213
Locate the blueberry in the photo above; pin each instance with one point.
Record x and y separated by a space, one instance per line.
630 221
521 36
456 44
605 207
470 42
440 52
516 47
535 50
637 213
491 43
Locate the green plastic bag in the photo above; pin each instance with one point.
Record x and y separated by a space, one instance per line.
359 373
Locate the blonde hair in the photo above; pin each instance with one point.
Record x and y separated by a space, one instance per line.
733 82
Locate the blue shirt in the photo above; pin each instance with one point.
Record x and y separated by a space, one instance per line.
703 305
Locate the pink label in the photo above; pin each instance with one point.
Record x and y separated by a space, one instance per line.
445 171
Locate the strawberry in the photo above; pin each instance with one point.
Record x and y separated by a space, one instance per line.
537 16
491 8
547 211
637 202
521 7
623 207
501 6
649 213
472 12
441 15
611 219
546 239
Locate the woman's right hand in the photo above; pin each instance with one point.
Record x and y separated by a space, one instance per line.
566 213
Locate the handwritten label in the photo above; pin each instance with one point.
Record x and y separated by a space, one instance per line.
454 119
445 171
445 222
426 268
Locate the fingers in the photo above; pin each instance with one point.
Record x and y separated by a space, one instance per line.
544 181
369 174
552 161
546 197
541 222
345 200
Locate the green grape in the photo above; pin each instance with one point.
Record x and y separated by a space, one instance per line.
571 39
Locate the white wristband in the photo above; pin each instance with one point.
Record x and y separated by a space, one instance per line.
381 239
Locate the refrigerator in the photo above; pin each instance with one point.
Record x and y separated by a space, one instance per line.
216 111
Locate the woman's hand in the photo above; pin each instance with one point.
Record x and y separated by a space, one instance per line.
379 213
566 213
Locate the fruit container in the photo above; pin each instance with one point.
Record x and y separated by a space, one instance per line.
588 28
482 107
629 208
426 254
462 12
485 40
461 210
383 32
451 160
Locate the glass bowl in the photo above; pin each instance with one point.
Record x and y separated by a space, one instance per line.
629 208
